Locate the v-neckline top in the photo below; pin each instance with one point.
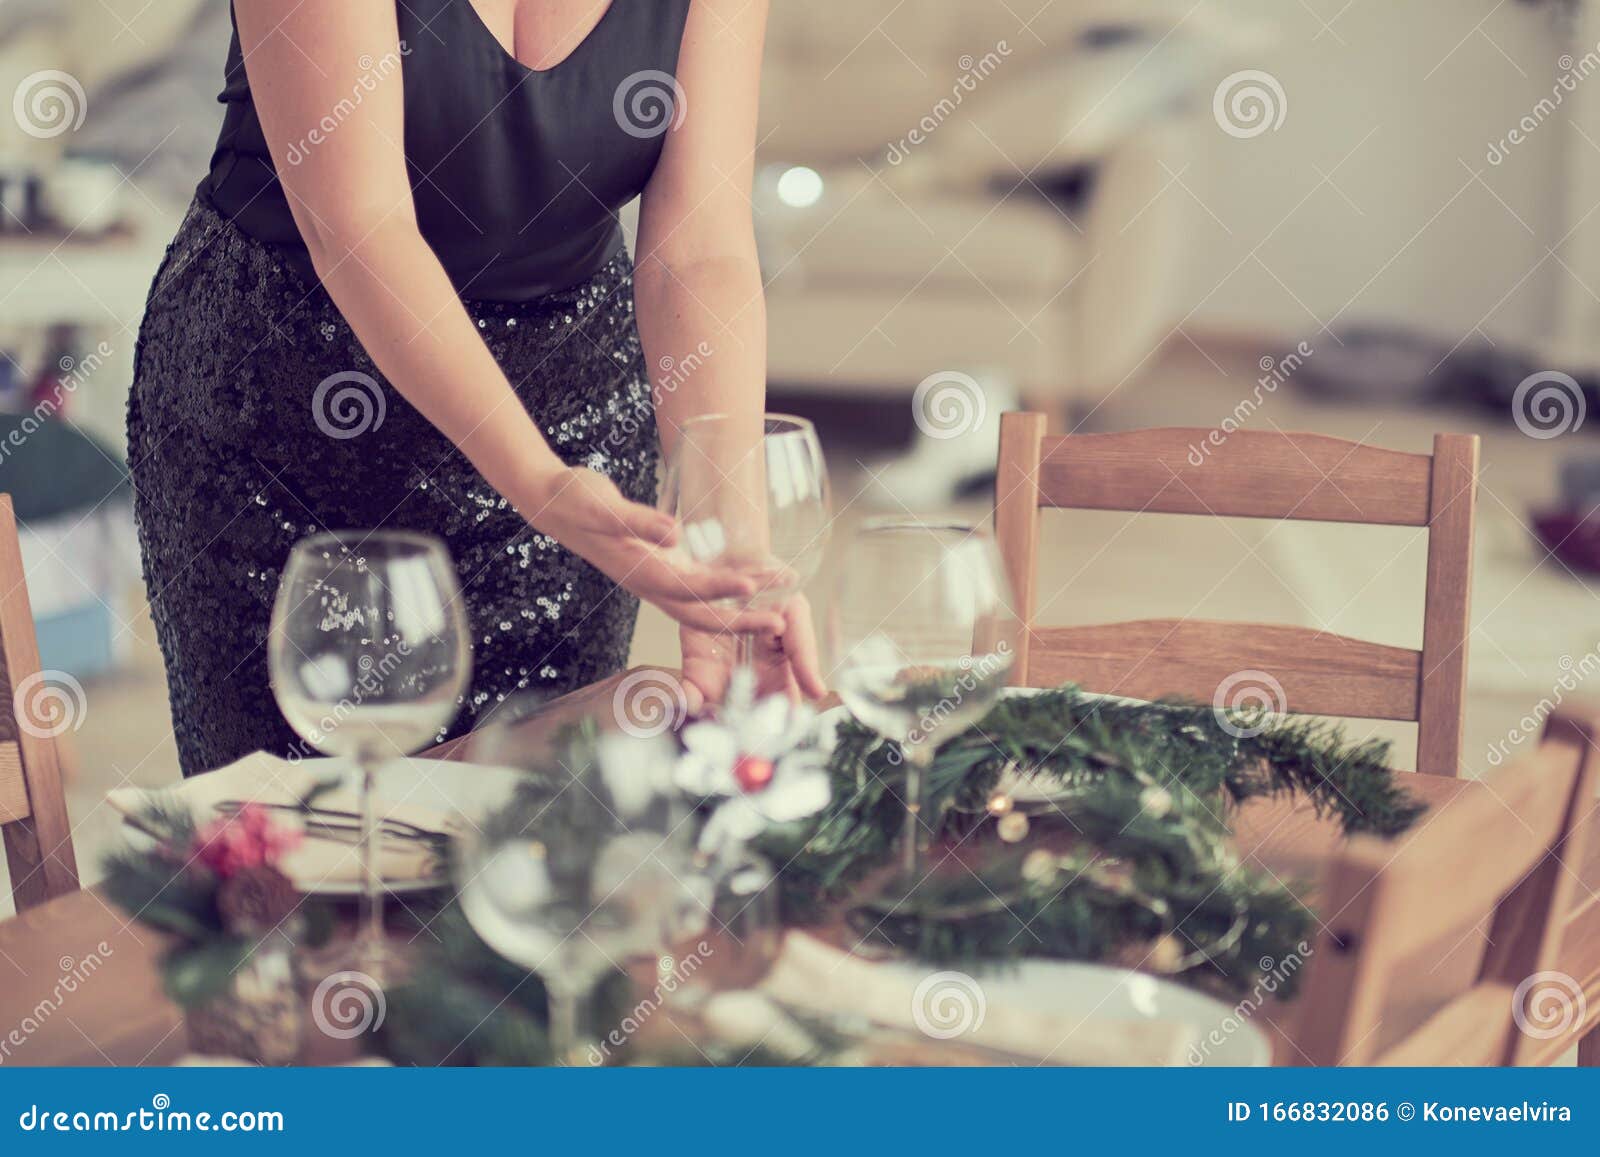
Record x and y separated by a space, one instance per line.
517 173
510 56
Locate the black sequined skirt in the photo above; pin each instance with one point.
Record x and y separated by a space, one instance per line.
256 418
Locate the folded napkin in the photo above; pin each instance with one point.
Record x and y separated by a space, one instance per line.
814 977
327 860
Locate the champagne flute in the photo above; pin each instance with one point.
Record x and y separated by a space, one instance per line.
751 492
369 657
925 633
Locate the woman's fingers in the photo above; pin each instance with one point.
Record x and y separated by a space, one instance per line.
629 541
773 673
800 644
680 583
654 526
707 661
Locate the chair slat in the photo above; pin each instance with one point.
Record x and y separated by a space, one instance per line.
1253 474
1319 673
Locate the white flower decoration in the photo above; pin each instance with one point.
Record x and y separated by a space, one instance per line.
636 770
756 756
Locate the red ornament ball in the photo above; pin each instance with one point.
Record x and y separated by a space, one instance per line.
752 773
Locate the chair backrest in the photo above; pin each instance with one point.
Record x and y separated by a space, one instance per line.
33 806
1252 474
1504 854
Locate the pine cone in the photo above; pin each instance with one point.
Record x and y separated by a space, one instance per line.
253 900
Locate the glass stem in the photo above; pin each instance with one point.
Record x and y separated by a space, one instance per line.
745 655
918 757
562 1003
369 935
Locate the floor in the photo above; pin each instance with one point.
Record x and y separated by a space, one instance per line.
1534 622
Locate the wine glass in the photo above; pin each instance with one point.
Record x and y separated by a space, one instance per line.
751 492
580 876
924 635
369 657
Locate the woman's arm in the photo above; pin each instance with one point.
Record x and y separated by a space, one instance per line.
351 199
699 292
698 284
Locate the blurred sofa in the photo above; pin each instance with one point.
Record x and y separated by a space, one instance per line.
952 186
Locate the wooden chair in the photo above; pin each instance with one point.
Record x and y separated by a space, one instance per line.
1506 855
1252 474
33 807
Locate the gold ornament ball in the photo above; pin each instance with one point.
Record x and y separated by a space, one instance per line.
1014 828
1156 802
1166 954
1039 866
1000 804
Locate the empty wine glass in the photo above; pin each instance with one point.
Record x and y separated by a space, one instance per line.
580 876
924 636
368 658
752 493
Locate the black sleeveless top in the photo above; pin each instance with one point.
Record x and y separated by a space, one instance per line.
517 175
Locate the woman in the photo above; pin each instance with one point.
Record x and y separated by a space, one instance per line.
400 300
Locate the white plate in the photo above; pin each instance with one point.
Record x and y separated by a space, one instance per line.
431 793
1098 994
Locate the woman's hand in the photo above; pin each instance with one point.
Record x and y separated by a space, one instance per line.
630 544
785 660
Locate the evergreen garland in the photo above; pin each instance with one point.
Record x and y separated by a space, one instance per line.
1147 877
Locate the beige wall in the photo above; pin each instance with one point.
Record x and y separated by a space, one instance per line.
1397 103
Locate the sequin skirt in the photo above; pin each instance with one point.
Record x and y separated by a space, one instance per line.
239 446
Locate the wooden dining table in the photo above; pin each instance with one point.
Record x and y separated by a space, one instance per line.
80 982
